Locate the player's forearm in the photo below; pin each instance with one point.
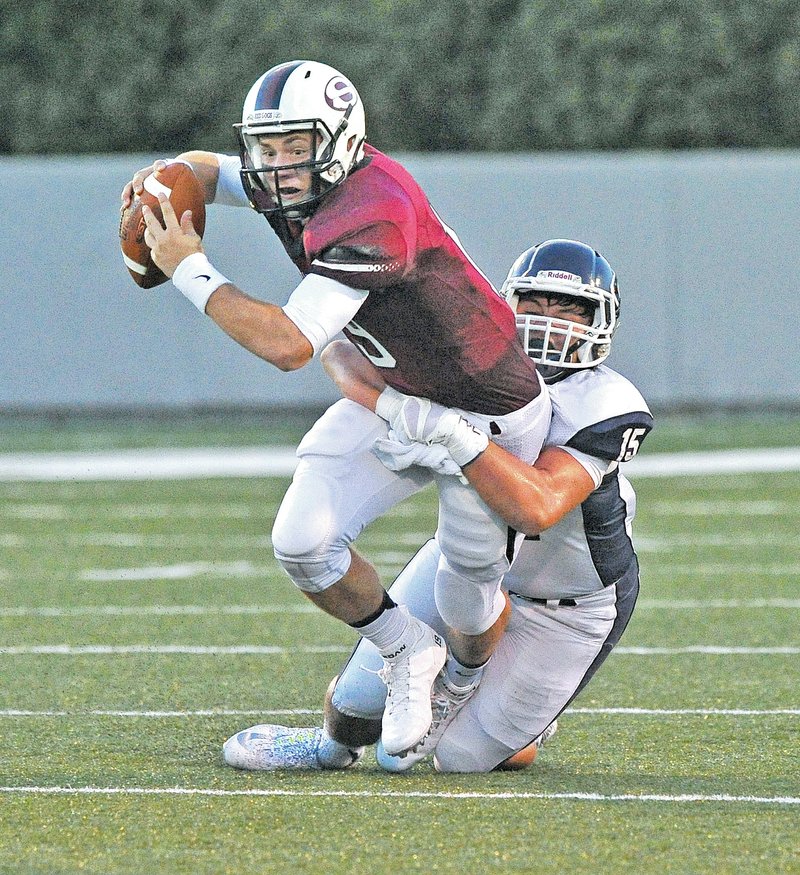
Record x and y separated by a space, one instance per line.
354 376
260 327
529 498
206 169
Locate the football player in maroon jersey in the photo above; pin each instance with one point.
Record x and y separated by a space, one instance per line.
379 265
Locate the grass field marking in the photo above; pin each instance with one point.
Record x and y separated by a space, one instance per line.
156 510
728 568
184 570
710 649
255 610
682 508
716 604
274 650
689 712
63 511
149 464
179 571
157 610
136 540
407 794
209 712
280 461
245 568
299 712
668 543
178 649
714 462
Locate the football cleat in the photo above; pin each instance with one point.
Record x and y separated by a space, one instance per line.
409 674
267 747
542 739
446 701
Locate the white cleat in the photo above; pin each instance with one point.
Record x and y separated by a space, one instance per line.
542 739
446 701
267 747
409 674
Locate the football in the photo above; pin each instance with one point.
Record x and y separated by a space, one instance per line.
179 183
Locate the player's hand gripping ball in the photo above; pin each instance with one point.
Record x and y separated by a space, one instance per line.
178 182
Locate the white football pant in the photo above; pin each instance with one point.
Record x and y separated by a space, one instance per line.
545 656
340 487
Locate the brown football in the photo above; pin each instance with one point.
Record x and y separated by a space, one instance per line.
182 187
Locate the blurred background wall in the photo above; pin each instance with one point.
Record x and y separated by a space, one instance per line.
664 132
706 260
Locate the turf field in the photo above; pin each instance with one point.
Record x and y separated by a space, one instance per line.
142 622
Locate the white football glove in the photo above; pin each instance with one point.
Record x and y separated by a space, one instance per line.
429 423
397 453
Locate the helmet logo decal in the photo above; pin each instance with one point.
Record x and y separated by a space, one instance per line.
339 94
558 275
265 115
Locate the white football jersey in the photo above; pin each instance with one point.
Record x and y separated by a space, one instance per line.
600 418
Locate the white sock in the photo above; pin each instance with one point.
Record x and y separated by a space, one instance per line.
459 675
388 630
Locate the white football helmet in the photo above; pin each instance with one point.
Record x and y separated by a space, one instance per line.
301 96
575 271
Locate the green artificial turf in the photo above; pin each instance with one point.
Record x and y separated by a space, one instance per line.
111 760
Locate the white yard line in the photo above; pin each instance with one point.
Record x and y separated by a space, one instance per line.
137 540
255 610
151 464
180 571
164 649
270 650
722 508
711 569
280 461
159 610
404 794
715 604
185 570
301 712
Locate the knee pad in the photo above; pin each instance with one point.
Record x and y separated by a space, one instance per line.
468 601
316 576
313 555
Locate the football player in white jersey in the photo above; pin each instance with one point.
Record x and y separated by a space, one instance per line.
575 578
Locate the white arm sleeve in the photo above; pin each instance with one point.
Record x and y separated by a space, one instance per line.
320 307
596 467
230 191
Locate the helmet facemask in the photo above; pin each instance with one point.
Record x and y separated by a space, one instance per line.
262 181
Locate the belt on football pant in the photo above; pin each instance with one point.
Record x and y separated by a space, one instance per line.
552 603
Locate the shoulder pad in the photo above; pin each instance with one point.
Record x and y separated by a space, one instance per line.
617 439
599 412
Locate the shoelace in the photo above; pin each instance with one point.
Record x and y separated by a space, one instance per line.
444 700
398 681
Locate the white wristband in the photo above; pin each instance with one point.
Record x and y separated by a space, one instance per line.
197 279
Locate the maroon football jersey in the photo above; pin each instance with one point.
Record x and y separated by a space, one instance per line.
432 322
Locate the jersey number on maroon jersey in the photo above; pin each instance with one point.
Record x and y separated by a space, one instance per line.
375 351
